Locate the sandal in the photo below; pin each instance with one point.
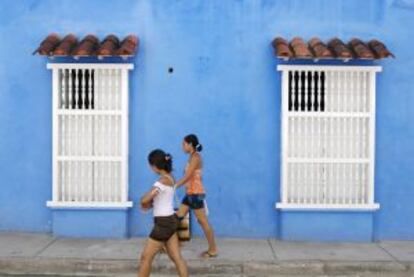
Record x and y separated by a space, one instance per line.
208 255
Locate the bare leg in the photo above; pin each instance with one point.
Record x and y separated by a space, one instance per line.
183 210
208 231
173 250
151 249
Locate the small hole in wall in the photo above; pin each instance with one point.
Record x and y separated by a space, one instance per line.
170 70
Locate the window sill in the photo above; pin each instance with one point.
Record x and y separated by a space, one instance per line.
327 207
89 205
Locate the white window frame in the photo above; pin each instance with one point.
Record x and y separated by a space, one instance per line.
117 162
285 202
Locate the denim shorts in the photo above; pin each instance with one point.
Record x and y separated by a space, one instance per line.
194 201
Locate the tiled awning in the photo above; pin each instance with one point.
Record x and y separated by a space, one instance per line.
89 46
335 48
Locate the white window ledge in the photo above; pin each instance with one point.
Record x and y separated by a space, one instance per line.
89 205
328 207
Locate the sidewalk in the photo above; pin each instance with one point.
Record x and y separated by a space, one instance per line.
40 253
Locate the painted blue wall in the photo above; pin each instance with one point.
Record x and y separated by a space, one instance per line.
326 226
85 223
224 88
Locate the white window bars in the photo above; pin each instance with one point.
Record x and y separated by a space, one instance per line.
328 137
90 135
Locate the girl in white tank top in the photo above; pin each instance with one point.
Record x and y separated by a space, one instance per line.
163 202
164 233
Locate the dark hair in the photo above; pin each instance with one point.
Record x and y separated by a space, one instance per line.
193 141
160 160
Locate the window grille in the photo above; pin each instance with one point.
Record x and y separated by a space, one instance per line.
328 137
90 135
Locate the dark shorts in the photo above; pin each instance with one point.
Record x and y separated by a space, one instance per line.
164 227
194 201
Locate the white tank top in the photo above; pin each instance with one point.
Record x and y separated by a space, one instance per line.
164 201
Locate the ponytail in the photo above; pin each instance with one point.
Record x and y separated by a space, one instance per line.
160 160
193 141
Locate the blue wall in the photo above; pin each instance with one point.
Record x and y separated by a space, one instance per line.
224 88
326 226
85 223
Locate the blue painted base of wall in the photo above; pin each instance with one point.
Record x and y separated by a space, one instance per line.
326 226
90 223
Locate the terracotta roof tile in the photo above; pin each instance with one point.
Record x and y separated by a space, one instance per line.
361 50
297 48
108 46
300 48
48 44
90 45
66 46
282 47
379 49
340 49
319 48
128 46
87 46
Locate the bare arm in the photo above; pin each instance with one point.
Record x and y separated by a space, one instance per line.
192 166
148 197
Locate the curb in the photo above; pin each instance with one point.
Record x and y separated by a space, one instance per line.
71 266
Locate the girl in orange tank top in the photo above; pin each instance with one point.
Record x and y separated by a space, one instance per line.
195 192
195 184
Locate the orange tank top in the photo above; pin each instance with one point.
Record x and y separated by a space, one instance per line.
195 184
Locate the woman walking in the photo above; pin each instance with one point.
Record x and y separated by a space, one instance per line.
195 192
164 233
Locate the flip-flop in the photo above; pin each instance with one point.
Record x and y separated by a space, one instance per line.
208 255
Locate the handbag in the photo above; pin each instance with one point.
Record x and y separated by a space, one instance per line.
183 228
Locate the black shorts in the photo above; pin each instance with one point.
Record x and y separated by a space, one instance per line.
194 201
164 227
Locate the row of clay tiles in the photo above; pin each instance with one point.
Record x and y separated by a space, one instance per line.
335 48
90 45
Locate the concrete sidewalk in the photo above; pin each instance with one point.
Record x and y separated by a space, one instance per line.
22 253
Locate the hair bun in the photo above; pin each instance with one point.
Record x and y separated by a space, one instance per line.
160 160
199 147
193 141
